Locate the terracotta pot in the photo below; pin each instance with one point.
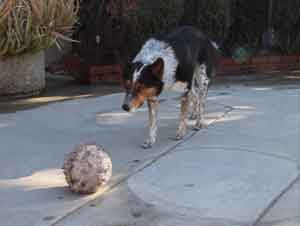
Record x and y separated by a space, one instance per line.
274 59
227 61
259 60
91 73
289 59
106 73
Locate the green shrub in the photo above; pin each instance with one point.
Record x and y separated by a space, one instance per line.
33 25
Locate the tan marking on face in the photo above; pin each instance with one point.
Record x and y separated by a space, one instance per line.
137 102
140 94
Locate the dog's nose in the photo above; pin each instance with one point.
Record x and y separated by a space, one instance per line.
125 107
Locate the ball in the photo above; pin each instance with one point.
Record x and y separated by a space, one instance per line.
87 168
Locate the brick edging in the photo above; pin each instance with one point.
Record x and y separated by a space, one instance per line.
229 66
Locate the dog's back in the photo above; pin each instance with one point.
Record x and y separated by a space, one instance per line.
191 48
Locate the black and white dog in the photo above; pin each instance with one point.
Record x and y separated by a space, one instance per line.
186 57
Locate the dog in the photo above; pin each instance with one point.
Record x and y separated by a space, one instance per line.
185 58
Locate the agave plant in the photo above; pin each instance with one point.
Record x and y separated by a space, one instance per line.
33 25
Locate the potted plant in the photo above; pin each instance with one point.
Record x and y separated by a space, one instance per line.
27 28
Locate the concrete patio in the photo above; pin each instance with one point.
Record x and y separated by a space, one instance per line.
242 170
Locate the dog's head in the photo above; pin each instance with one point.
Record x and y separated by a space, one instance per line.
144 84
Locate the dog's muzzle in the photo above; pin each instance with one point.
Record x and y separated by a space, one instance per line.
126 107
126 102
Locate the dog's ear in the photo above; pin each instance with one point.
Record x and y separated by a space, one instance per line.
157 68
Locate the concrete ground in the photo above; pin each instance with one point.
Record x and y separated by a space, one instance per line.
59 88
242 170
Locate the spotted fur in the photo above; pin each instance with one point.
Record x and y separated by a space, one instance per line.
152 50
198 94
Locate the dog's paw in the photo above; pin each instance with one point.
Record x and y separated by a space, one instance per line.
193 116
200 125
180 134
179 137
181 131
147 144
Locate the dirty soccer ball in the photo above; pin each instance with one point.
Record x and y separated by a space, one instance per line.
87 168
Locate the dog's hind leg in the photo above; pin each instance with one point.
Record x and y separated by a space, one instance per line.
181 130
194 99
202 90
195 93
152 108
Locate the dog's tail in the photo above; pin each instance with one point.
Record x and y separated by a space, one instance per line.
212 59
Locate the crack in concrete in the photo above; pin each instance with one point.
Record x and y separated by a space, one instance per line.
275 201
240 149
281 221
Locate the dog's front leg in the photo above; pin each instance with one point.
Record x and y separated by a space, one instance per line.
181 130
152 108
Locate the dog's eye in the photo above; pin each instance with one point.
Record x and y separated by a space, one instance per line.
127 84
139 87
